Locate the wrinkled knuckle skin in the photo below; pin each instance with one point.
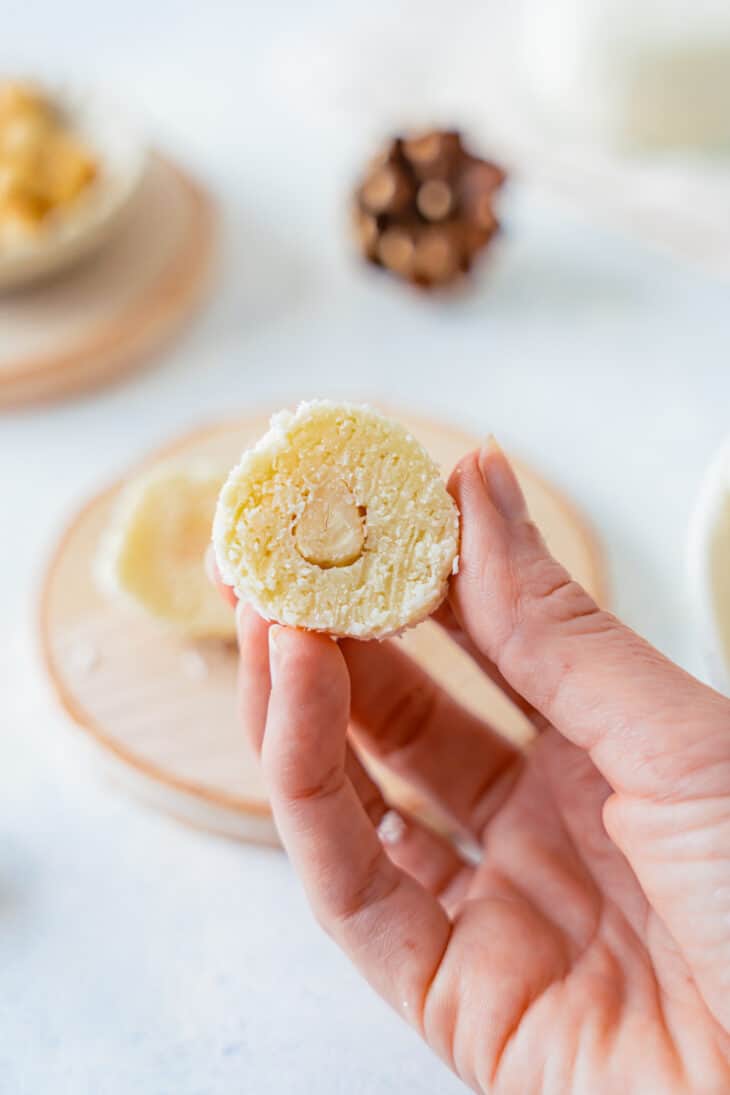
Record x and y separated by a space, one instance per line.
337 906
377 883
298 791
549 607
546 592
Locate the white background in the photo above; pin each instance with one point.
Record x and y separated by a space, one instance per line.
137 955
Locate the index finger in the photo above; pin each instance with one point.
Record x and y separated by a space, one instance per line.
391 927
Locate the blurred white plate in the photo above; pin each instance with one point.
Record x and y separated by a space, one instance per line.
122 159
709 567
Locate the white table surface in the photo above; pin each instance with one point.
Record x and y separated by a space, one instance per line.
138 955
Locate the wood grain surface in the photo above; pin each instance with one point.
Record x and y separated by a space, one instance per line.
161 710
93 323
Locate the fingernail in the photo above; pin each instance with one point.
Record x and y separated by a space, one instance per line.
274 651
501 481
392 827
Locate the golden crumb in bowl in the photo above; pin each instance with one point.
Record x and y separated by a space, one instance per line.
44 166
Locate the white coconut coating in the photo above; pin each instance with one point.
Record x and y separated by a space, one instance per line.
337 521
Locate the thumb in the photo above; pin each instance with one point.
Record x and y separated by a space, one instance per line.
650 728
659 737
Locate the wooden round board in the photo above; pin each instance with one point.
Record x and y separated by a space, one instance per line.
162 709
103 317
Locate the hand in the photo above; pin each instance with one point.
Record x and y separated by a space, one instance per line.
589 949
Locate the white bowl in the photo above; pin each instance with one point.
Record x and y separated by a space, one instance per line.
122 158
709 567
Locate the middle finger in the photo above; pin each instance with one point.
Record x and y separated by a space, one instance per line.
415 728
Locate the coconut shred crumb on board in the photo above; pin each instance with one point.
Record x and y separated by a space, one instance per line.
337 520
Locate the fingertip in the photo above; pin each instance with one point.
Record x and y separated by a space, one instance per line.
213 574
252 630
308 709
309 676
477 511
480 591
501 482
246 618
303 655
465 472
228 594
485 482
275 652
254 683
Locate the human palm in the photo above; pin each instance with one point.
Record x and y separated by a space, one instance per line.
588 948
579 985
